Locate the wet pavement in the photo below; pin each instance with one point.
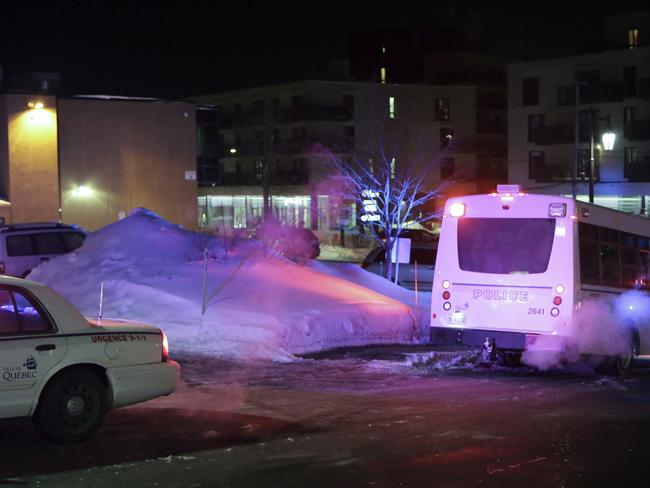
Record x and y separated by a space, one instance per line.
383 417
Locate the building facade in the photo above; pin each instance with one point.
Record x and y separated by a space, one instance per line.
556 107
91 160
274 143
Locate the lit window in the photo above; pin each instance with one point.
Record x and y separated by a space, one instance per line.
393 168
382 74
633 38
391 107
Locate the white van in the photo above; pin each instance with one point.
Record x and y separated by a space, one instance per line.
25 246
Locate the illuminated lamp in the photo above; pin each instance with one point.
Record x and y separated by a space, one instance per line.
457 209
559 289
557 301
446 306
233 150
83 191
35 105
446 284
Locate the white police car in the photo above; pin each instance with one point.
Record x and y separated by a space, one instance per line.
65 371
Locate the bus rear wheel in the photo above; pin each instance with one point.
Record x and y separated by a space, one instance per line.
623 362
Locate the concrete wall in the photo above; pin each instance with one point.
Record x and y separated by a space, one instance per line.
28 159
129 154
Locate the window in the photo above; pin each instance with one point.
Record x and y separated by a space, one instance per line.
584 120
505 246
536 164
629 117
588 82
393 168
566 95
275 108
530 91
72 240
535 127
630 159
299 133
446 137
391 107
633 38
19 313
348 104
382 74
49 243
20 245
442 109
446 168
629 81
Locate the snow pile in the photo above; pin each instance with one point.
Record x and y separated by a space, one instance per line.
258 305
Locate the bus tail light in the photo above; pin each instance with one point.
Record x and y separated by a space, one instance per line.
457 209
446 295
555 311
446 284
446 306
165 348
557 301
557 210
559 289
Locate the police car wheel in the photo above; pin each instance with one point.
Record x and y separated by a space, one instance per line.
72 407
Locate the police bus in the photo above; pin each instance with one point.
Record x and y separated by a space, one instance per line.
514 269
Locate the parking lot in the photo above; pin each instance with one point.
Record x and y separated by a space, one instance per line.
369 417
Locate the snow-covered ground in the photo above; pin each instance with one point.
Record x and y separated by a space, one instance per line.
258 304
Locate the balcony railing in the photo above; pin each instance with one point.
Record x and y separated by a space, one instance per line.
606 91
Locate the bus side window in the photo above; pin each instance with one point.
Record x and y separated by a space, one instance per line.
609 264
589 262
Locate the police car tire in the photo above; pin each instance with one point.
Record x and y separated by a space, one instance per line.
72 407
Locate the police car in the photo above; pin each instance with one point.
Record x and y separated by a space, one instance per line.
66 371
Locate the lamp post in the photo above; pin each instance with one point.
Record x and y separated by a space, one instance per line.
608 138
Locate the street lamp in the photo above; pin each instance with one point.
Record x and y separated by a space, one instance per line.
608 137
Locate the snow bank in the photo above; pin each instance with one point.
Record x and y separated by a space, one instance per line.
259 305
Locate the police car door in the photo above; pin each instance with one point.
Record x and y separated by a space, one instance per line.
29 348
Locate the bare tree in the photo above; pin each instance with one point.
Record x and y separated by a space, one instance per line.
389 199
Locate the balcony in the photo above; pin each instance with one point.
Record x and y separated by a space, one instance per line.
606 91
637 130
313 113
241 178
558 134
306 145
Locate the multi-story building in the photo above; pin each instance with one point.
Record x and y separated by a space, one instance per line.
274 141
556 106
90 160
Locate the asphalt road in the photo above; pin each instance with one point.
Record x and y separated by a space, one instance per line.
357 421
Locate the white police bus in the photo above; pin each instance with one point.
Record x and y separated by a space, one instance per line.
514 268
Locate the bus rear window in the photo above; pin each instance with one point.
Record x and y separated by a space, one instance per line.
505 246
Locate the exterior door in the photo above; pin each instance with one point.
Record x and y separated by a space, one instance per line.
29 348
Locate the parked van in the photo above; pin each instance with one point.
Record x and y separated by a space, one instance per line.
25 246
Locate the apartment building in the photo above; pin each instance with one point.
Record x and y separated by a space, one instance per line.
556 107
272 142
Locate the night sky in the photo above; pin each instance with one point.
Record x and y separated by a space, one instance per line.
183 48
